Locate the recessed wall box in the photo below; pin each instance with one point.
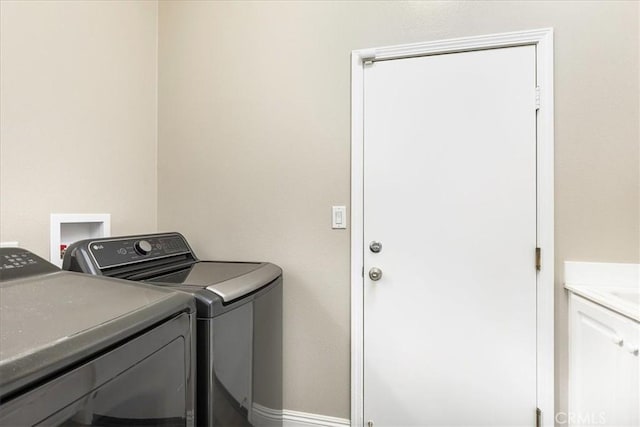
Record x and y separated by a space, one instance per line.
69 228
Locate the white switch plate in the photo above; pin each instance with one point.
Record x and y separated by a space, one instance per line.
339 217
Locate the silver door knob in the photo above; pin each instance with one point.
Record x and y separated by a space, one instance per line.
375 274
375 247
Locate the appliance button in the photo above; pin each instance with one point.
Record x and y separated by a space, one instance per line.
142 247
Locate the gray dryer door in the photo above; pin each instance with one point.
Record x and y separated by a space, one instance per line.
145 381
52 321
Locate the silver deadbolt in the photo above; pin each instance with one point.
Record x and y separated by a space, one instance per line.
375 247
375 274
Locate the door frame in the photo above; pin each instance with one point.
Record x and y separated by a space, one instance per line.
543 40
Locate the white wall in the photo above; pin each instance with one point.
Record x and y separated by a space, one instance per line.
78 115
254 145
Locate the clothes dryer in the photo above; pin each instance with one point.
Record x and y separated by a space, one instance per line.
77 350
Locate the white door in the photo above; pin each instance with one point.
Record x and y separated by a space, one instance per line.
450 193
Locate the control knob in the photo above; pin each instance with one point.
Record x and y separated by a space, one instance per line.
142 247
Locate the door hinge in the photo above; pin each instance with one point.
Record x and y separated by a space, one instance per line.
538 417
538 259
362 272
537 97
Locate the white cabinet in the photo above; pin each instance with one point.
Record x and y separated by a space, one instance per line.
604 375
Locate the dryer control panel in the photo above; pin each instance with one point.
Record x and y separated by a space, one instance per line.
16 263
114 252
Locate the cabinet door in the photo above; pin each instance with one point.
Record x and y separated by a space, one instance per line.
603 368
628 375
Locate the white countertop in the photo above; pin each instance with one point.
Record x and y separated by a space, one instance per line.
620 300
615 286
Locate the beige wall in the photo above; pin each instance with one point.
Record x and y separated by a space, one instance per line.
253 137
78 115
254 121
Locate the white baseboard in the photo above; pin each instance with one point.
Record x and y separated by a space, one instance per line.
304 419
261 416
267 417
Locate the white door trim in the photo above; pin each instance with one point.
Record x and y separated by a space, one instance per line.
543 40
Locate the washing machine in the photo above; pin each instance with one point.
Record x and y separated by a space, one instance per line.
239 319
77 350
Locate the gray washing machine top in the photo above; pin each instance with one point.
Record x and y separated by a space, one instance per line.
229 280
166 259
51 319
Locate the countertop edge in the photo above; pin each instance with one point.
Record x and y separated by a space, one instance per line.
598 295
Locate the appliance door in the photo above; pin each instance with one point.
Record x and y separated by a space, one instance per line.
243 362
146 381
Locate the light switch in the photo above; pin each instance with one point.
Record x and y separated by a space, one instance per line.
339 217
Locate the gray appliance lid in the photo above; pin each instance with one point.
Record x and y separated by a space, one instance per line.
229 280
50 320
